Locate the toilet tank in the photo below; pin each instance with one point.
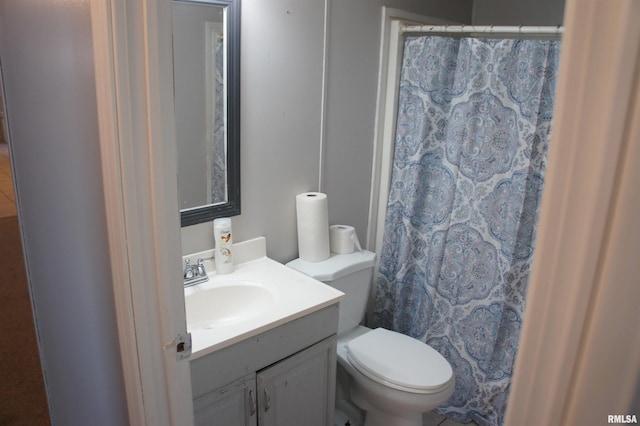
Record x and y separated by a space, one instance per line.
350 273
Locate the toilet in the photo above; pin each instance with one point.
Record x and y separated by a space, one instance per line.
394 378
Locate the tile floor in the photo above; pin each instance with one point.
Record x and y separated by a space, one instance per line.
7 197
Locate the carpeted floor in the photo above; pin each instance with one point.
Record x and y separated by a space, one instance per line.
22 393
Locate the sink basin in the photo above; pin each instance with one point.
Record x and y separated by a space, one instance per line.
258 296
227 303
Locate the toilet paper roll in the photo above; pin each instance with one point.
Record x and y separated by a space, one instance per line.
343 239
313 226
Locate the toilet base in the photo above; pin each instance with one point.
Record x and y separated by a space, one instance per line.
346 411
376 417
380 418
342 419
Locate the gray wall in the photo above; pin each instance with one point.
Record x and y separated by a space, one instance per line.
518 12
282 89
47 61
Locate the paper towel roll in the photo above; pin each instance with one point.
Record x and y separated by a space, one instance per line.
343 239
313 226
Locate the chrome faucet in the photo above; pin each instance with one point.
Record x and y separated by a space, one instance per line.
194 274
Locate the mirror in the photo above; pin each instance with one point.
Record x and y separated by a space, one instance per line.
206 67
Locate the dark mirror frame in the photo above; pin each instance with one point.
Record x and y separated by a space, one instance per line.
232 206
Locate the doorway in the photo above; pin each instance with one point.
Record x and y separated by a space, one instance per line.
22 386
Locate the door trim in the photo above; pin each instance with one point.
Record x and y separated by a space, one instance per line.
134 83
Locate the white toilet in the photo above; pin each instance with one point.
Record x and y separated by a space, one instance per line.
393 377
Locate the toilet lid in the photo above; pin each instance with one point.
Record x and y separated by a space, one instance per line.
399 361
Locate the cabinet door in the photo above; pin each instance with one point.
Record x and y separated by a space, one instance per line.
299 390
231 405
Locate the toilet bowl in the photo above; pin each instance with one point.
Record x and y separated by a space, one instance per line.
394 378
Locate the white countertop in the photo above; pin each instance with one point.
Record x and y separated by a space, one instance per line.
295 295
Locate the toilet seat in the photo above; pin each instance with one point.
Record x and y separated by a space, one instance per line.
399 361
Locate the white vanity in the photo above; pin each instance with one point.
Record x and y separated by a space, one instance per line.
263 344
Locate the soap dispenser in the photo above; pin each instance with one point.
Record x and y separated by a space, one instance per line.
223 245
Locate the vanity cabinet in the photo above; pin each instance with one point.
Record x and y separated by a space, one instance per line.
292 382
298 390
231 405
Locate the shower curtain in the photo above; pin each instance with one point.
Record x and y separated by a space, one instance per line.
219 161
474 120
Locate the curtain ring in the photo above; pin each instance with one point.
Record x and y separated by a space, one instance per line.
520 30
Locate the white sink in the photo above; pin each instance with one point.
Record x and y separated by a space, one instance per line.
228 303
259 295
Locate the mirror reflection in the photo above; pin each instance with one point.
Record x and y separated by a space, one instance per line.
205 78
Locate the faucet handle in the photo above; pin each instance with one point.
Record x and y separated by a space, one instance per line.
188 269
194 274
200 272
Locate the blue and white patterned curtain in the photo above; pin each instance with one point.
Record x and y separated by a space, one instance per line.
474 121
218 166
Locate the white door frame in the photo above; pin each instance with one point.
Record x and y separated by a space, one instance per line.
134 80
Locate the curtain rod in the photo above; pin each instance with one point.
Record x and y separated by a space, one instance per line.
486 29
